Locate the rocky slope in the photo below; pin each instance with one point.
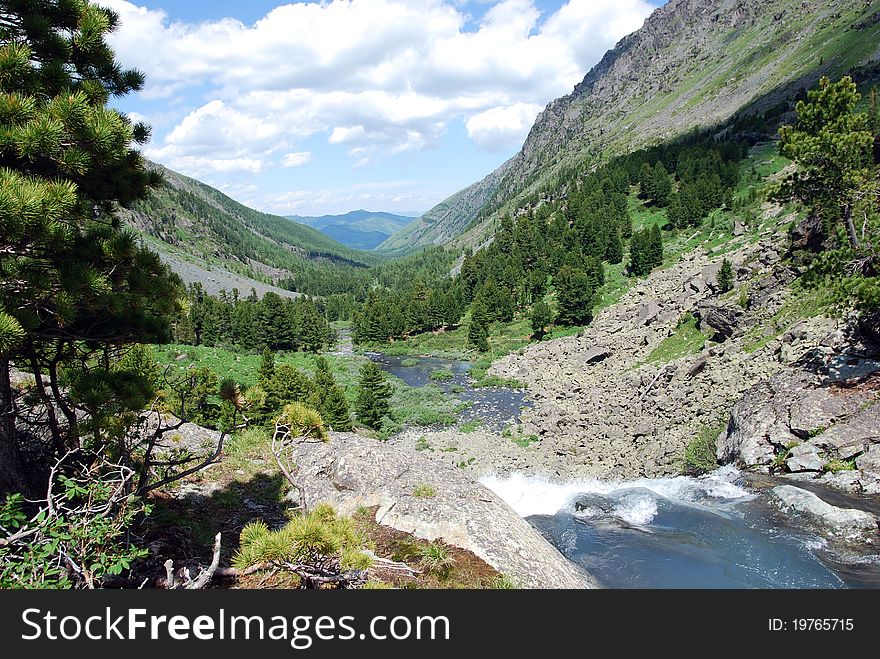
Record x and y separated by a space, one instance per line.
618 401
695 63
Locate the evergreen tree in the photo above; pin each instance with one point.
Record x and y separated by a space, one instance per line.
725 277
73 279
576 296
833 148
614 252
655 246
373 396
267 368
335 410
478 332
646 181
662 186
542 317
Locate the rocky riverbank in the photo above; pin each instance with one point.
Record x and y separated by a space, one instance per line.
433 502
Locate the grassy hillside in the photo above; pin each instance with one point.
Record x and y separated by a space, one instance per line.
695 63
198 228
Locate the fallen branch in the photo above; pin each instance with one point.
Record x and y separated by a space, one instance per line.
205 577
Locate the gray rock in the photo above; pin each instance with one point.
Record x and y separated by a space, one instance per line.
648 313
829 519
869 462
595 355
698 367
805 457
723 320
350 472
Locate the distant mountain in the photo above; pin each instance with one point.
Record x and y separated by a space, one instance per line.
358 229
694 64
211 239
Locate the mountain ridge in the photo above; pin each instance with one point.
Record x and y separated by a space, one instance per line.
693 64
359 229
198 229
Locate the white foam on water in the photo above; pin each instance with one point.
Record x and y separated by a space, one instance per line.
637 508
535 495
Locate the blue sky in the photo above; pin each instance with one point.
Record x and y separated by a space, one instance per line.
324 107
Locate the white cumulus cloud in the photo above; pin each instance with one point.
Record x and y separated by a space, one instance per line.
502 127
379 77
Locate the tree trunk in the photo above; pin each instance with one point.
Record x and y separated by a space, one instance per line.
11 470
851 227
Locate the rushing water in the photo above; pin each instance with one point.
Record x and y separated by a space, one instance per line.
681 533
710 532
495 407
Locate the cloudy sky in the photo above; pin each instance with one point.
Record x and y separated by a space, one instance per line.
325 107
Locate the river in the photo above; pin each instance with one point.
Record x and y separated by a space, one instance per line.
494 407
711 532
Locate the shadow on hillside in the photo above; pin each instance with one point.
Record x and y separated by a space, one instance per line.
183 527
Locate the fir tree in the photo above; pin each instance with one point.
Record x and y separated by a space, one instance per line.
335 410
267 368
725 277
614 252
478 332
576 296
542 317
373 396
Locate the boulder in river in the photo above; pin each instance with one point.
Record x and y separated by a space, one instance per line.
831 520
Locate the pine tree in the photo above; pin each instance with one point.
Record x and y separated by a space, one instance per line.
542 317
335 410
267 368
614 252
576 296
655 246
662 186
647 181
833 148
725 277
478 332
373 396
73 279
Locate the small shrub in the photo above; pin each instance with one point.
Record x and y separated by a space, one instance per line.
700 456
837 466
319 537
442 376
436 560
423 444
409 363
470 427
303 422
424 491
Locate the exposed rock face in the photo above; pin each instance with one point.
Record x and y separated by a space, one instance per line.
351 472
828 409
831 520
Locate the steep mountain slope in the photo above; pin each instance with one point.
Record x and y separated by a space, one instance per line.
199 230
695 63
358 229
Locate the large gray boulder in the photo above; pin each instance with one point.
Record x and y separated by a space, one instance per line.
351 472
828 519
723 320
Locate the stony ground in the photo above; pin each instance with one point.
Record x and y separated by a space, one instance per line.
602 409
